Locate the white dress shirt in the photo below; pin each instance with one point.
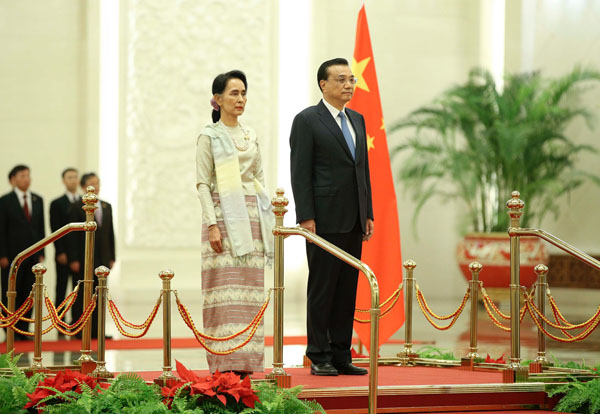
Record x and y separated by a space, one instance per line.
73 197
20 195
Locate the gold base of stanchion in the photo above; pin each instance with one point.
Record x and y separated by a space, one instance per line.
467 364
101 372
306 362
167 382
406 356
87 367
536 368
30 371
512 375
282 380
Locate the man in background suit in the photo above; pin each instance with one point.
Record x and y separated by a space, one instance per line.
21 225
104 244
59 216
332 192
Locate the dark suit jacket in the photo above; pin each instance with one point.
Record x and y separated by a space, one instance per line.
59 216
104 243
16 233
328 185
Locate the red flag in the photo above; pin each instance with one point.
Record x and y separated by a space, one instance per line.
382 252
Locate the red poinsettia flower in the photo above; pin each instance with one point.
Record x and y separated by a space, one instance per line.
354 354
499 360
218 386
63 381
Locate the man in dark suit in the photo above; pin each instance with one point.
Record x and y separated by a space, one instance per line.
59 216
332 192
21 225
104 244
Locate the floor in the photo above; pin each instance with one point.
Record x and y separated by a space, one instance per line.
491 340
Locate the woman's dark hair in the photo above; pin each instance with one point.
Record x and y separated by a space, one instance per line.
322 72
220 83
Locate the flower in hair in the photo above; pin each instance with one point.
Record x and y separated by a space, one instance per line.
214 104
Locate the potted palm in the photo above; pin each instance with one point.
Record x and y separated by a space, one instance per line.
476 144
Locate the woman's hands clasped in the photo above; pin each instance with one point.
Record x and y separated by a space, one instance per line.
214 237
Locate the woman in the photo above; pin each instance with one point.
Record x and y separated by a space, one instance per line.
237 225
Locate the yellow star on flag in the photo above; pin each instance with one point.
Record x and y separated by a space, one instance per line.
370 142
358 68
382 124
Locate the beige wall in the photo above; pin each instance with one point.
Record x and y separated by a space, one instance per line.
563 35
45 95
49 103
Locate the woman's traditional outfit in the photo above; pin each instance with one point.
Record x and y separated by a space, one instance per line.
230 183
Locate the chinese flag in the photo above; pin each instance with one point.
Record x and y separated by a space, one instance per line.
381 253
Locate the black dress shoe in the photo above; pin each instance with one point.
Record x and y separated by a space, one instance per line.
349 369
323 369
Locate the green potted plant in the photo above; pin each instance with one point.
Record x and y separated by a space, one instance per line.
476 144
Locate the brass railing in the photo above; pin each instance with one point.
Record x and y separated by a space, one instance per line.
89 226
515 206
280 202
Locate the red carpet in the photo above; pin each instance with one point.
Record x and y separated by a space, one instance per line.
387 376
143 343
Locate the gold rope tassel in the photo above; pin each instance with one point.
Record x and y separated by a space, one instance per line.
394 298
200 337
65 328
429 313
118 319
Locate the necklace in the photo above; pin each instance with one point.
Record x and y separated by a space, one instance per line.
241 147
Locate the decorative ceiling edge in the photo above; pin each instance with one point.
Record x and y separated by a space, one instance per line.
424 390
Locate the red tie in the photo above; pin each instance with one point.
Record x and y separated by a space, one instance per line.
26 208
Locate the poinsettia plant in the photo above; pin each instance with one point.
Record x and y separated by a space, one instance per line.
56 389
499 360
225 387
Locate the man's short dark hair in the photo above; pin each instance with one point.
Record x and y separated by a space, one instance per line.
17 169
67 170
86 177
322 72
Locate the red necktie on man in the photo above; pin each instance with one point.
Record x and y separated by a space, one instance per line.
26 208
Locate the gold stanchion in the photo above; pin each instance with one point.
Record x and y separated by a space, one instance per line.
283 379
467 361
39 270
541 288
102 273
166 378
89 200
28 252
515 371
409 284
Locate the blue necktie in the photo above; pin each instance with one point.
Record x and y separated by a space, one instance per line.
347 134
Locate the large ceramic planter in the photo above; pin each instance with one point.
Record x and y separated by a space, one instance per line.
492 250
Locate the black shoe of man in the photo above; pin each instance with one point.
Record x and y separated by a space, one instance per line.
323 369
350 369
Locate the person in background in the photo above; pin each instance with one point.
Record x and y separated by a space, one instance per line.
21 225
59 216
104 244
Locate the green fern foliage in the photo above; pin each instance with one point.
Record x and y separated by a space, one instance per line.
579 397
275 400
15 386
129 394
431 352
